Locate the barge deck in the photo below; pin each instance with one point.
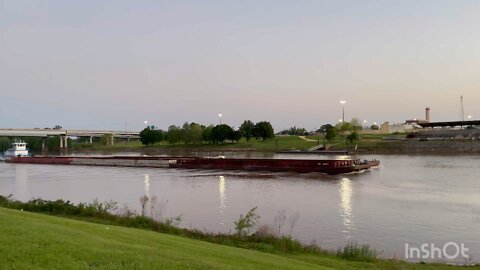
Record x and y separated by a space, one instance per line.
331 166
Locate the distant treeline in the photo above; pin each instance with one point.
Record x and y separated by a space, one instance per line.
193 133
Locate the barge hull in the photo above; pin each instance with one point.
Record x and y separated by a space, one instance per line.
274 165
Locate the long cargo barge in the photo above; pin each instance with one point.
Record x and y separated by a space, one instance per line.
276 165
333 166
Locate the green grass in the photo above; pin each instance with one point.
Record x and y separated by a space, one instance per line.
36 241
283 142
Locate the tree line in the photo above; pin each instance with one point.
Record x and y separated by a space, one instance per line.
194 133
347 130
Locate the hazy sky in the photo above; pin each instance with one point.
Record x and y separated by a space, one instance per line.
99 64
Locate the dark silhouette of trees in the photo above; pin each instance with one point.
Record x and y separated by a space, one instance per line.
264 130
174 134
221 132
150 136
330 133
247 129
235 136
193 133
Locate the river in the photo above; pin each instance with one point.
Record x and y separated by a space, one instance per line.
412 199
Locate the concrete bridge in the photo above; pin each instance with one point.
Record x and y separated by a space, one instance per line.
111 135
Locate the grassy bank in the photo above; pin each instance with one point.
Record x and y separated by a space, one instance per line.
367 144
94 237
278 143
36 241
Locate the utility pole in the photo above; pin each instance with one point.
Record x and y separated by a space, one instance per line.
343 110
462 112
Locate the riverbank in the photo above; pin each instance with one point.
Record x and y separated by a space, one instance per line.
417 147
368 144
278 143
31 240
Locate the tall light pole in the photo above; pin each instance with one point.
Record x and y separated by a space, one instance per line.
220 118
365 124
343 110
462 111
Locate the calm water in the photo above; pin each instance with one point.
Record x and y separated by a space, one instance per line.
410 199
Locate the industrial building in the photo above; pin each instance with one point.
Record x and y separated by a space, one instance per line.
425 129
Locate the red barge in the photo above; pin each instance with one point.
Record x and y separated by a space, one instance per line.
332 166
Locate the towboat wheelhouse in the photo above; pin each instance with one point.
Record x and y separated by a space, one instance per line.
17 149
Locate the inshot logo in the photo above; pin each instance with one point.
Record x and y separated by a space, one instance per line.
449 251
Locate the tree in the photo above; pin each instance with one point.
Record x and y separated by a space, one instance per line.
221 132
186 135
4 144
235 136
247 129
343 127
207 134
150 136
352 137
355 125
264 130
325 128
374 127
196 132
330 133
297 131
294 131
174 134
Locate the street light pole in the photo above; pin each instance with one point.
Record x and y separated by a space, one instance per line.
220 118
343 110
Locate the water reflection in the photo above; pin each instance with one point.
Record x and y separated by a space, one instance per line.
221 191
346 206
146 183
21 182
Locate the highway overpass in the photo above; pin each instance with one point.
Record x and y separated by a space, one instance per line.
111 135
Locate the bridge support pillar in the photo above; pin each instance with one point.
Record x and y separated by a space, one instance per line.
43 144
91 139
63 142
112 139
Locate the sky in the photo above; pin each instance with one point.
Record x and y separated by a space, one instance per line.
107 64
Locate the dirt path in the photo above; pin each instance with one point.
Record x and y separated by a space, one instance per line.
306 139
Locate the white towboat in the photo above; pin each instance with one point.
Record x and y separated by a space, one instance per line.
17 149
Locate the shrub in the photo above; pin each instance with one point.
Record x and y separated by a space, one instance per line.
355 252
245 224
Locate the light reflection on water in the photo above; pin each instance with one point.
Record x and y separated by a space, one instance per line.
223 197
146 184
221 191
21 181
346 206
